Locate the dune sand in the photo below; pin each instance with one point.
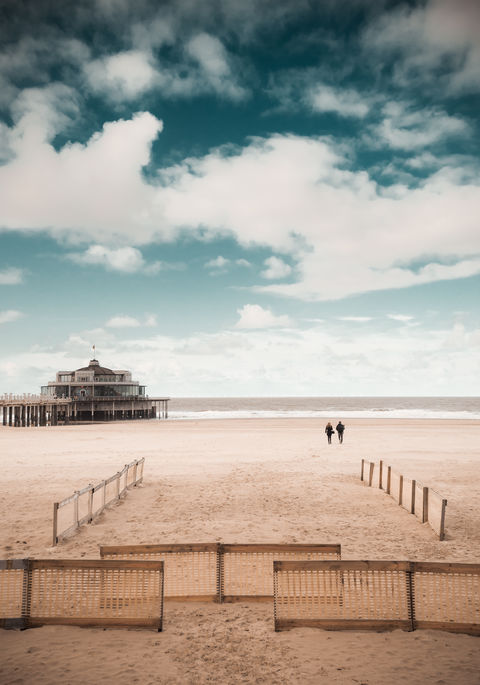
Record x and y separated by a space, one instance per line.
247 481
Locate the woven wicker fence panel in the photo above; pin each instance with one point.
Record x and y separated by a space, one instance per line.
447 597
11 592
189 572
342 594
394 485
248 569
95 593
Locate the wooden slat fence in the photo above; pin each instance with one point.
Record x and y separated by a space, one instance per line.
422 501
220 572
36 592
89 502
377 595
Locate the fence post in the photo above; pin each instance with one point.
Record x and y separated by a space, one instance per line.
389 478
118 484
425 505
412 501
135 472
26 591
104 494
75 509
90 504
361 472
442 520
55 523
370 474
410 579
380 474
400 490
220 571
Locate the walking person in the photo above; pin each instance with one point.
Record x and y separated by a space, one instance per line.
329 431
340 428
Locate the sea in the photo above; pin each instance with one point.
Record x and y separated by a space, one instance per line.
333 408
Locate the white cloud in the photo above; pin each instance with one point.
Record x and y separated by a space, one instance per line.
276 268
404 318
345 102
213 59
329 359
127 259
122 321
124 76
243 262
407 130
436 44
11 276
253 316
355 319
151 321
219 263
295 195
9 315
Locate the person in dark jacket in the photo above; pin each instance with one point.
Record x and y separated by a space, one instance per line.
329 431
340 428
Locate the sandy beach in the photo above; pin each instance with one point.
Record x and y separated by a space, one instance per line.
240 481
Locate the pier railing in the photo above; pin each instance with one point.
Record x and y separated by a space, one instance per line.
89 502
418 499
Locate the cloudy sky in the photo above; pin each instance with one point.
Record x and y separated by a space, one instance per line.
266 197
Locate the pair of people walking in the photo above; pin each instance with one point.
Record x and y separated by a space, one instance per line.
329 430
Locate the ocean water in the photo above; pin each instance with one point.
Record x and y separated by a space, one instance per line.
332 408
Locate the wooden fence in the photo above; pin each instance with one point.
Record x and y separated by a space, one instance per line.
424 502
36 592
86 504
219 572
377 595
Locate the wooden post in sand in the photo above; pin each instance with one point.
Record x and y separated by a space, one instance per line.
55 514
400 489
380 474
412 501
370 474
425 505
389 479
361 472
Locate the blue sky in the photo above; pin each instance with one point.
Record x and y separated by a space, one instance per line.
255 198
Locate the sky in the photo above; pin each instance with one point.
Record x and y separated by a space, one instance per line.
256 198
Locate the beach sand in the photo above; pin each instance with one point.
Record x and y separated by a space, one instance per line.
240 481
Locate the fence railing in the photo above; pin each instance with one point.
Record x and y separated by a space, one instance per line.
36 592
219 572
422 501
376 595
86 504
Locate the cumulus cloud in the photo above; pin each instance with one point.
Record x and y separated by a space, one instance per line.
436 43
124 76
11 276
276 268
355 319
407 129
217 265
296 195
345 102
10 315
127 259
253 316
122 321
403 318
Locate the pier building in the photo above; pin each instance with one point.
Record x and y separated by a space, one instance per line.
91 393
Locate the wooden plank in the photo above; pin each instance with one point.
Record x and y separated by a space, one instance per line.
38 621
341 624
153 549
445 567
282 547
342 565
146 564
55 524
232 599
425 505
468 628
